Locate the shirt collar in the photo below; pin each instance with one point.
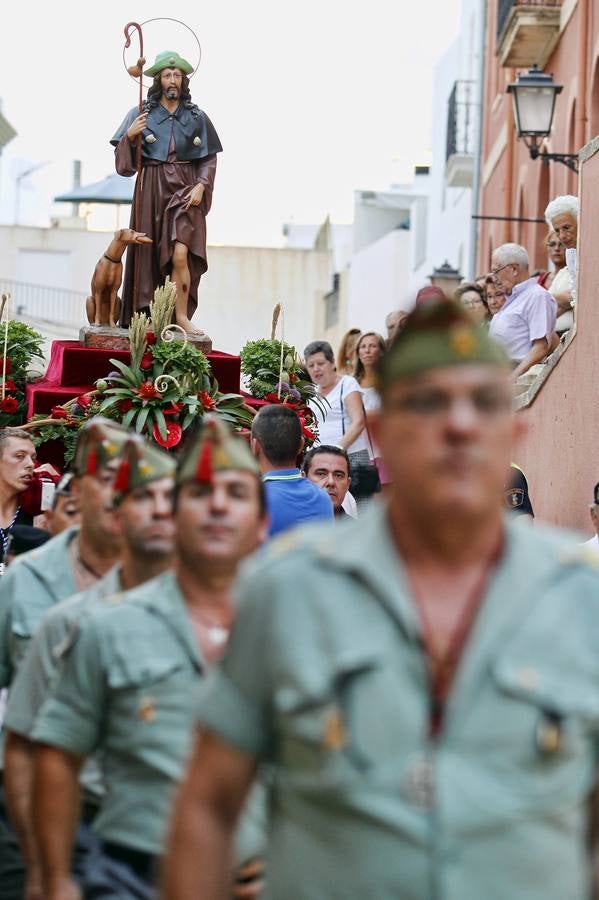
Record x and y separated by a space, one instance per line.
281 473
519 289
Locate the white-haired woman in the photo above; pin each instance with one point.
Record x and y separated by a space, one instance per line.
562 216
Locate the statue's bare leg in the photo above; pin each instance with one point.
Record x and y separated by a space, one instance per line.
182 279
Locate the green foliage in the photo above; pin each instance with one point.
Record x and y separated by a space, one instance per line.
182 360
261 361
61 430
24 344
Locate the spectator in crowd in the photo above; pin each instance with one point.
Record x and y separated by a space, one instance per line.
593 544
346 355
328 466
525 324
430 293
472 297
17 465
338 407
369 352
394 322
516 497
562 216
276 443
64 511
557 282
494 294
24 538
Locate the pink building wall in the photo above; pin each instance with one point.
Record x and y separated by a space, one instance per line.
560 454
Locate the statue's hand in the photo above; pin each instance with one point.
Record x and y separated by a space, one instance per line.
194 198
137 127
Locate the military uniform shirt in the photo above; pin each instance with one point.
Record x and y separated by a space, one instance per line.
325 679
33 583
38 670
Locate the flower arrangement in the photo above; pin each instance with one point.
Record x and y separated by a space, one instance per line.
23 345
164 390
276 375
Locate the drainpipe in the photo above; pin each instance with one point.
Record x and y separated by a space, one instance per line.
583 27
509 163
477 173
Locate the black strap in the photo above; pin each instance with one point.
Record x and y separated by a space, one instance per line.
342 407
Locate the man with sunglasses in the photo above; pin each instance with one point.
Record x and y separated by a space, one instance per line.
525 324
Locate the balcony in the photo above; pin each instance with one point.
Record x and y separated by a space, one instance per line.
460 148
527 31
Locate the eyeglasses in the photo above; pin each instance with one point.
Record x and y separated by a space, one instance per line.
495 272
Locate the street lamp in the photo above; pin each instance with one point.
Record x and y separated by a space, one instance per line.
533 95
445 277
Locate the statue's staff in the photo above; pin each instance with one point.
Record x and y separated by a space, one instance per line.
137 71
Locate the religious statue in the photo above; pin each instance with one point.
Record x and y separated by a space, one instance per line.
104 304
178 164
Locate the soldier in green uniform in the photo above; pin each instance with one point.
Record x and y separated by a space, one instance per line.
426 687
130 672
72 561
142 494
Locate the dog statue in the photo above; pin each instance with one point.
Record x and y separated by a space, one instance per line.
103 307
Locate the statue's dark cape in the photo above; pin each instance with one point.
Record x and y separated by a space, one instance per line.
188 124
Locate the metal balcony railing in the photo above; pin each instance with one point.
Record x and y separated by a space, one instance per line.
49 304
504 8
461 119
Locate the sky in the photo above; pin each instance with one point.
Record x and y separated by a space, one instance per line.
312 100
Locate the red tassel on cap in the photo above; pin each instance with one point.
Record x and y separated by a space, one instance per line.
121 482
92 462
204 471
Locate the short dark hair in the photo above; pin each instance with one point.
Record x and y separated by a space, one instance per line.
320 347
279 431
332 449
20 434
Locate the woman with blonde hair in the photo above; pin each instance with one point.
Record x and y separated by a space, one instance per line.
346 355
369 351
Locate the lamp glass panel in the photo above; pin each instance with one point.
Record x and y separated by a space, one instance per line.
534 109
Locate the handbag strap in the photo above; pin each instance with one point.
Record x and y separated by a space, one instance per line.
342 406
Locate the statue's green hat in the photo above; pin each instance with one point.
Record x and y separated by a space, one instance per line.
100 441
438 333
215 449
169 59
140 463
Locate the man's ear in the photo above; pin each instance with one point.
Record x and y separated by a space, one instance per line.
255 446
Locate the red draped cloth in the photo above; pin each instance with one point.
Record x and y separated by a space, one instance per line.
164 187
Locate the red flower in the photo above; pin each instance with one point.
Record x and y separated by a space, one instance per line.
206 400
173 409
147 391
8 365
147 360
59 412
85 400
150 338
272 398
9 404
125 405
9 385
292 378
174 433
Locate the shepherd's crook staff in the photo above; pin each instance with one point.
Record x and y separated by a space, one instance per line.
135 71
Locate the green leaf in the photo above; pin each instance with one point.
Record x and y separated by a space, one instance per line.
128 417
141 419
161 422
130 376
109 401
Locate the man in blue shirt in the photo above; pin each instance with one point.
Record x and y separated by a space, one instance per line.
291 499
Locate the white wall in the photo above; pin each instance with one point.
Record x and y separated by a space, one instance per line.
236 298
378 281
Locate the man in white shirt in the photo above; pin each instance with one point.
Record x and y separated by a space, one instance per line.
593 544
525 324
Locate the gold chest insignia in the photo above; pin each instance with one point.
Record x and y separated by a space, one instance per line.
335 732
147 710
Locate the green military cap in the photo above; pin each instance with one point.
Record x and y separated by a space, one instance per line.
438 333
215 449
139 464
99 441
169 59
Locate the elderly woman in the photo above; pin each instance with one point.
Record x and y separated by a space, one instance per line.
340 412
472 296
562 217
495 295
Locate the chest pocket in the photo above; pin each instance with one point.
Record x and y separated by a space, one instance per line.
341 728
546 752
